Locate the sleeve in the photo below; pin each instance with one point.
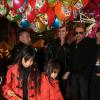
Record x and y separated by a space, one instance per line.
59 94
7 86
49 52
45 91
92 52
91 55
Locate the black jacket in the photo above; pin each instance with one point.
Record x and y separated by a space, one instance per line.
83 56
58 52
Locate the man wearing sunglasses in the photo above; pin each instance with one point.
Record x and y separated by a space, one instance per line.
82 61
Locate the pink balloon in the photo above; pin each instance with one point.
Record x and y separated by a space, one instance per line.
17 3
90 7
96 1
97 14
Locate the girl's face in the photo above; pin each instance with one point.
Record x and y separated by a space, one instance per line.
62 32
54 74
27 63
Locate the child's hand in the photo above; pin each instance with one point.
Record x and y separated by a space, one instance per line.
10 93
66 76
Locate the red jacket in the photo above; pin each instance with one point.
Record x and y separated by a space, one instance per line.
15 84
50 90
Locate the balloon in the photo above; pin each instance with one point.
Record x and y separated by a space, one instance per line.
10 3
51 16
89 9
78 4
11 14
39 6
57 23
97 13
38 26
52 3
85 2
24 23
92 34
62 12
3 9
17 17
47 18
96 1
31 16
44 19
17 3
66 2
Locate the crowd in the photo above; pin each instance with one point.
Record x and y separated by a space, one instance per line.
44 74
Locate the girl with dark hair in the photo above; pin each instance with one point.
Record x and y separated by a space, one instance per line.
22 80
49 84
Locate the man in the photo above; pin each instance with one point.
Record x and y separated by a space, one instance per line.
82 61
24 40
58 49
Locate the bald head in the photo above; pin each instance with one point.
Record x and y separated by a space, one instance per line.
24 37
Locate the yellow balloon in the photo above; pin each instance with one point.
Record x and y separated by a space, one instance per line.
37 26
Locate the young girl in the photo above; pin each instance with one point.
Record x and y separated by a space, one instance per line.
22 80
49 84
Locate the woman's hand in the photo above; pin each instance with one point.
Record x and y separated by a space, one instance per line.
65 76
98 74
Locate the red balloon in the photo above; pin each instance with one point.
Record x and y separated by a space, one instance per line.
39 6
85 2
17 3
31 16
51 16
48 17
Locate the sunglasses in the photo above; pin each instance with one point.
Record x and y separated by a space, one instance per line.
79 32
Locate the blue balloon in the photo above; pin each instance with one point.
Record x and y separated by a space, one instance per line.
24 23
57 23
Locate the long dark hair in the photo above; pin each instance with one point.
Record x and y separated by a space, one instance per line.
29 52
51 66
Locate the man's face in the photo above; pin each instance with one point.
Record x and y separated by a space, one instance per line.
80 33
62 32
25 38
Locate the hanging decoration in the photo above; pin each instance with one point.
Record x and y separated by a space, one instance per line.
52 3
92 28
40 6
38 26
57 23
62 11
48 17
41 15
3 8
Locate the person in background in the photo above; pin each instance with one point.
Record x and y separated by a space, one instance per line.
24 40
95 77
22 80
58 49
82 61
49 84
